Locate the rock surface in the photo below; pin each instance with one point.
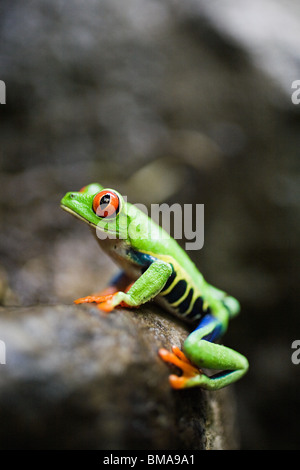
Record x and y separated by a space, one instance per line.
77 379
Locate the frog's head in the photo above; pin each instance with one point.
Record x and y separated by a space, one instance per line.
102 209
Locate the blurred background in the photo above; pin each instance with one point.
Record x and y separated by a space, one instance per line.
166 101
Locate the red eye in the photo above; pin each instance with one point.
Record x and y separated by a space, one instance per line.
106 204
82 189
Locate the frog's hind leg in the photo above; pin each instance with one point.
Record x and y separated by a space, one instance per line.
200 352
178 358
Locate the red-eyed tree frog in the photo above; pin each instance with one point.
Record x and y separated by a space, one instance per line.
154 266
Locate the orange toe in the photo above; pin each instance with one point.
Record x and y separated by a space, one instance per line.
105 306
105 302
180 354
178 358
165 355
177 382
93 298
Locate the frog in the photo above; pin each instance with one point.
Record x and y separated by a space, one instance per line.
153 266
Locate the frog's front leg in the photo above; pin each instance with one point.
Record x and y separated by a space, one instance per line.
121 281
201 352
145 288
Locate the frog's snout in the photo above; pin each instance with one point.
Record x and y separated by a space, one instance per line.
70 195
66 201
67 198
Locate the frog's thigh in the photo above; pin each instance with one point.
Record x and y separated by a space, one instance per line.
201 350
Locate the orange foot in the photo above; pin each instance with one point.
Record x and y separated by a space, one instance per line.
103 300
178 358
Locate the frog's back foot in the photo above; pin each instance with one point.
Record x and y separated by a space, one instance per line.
178 358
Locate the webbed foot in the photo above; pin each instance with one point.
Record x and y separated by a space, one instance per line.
178 358
103 301
106 300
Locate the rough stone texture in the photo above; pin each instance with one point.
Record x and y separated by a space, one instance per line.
77 379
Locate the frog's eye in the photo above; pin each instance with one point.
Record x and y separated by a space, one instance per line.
106 204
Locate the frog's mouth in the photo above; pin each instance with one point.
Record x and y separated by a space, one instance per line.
80 217
96 227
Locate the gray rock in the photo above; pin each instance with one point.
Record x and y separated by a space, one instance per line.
75 378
